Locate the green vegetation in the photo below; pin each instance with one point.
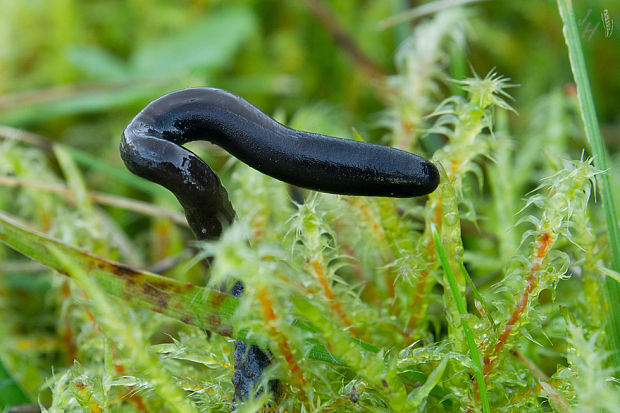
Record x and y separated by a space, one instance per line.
497 292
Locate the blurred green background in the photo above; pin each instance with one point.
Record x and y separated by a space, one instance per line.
77 71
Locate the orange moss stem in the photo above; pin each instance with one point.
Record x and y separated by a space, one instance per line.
373 222
335 306
544 243
284 347
420 291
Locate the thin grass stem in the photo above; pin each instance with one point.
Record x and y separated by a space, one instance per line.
593 133
460 304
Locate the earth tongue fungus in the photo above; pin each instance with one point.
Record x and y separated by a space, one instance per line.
151 148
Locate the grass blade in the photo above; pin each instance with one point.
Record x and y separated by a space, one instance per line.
102 198
113 322
202 307
588 114
10 392
477 294
460 305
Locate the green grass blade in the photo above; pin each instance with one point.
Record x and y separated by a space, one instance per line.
47 104
460 305
588 113
476 293
113 322
202 307
10 392
422 392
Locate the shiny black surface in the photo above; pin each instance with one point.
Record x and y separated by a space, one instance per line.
309 160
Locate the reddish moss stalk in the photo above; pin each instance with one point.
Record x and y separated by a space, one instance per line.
372 221
285 349
418 299
417 305
544 243
335 306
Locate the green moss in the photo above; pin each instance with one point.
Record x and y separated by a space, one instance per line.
364 303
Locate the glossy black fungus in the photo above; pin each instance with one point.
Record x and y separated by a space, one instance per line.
151 148
308 160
